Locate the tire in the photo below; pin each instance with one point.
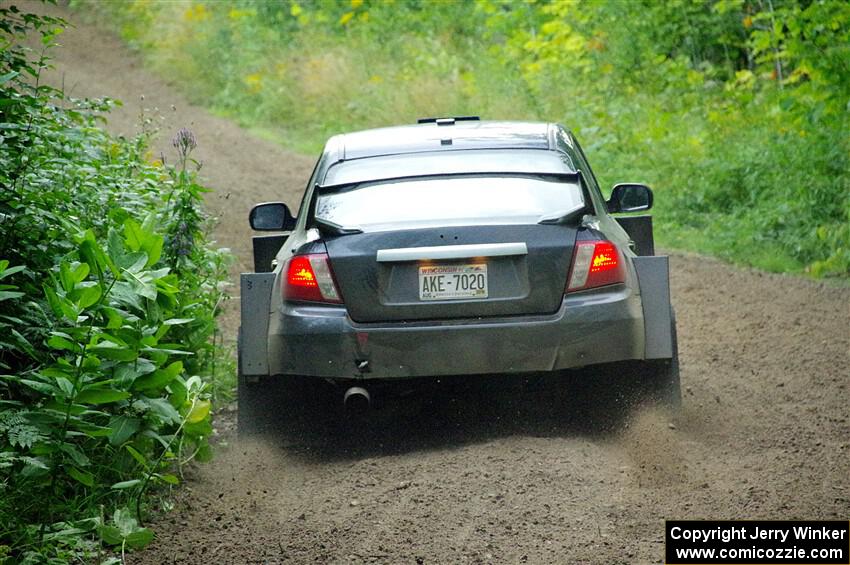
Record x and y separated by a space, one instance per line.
664 380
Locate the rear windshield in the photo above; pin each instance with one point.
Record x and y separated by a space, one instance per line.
450 201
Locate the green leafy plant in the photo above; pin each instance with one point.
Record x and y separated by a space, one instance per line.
107 319
124 531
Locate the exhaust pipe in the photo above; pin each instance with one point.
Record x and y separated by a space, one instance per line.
357 399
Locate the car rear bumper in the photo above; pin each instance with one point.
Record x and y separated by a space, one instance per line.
589 328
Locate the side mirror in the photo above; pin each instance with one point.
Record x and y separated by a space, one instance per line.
271 216
630 197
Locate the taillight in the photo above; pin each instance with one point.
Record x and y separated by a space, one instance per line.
595 263
309 278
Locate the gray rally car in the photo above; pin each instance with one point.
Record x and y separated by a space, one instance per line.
453 247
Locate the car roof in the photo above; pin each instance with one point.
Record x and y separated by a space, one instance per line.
442 136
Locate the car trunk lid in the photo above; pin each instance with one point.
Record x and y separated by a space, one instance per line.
452 272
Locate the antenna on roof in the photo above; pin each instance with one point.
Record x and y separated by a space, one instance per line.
448 121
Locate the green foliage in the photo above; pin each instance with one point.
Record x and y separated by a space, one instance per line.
735 110
109 290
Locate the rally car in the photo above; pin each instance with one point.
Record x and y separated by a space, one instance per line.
452 247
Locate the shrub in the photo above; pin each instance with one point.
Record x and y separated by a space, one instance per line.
109 290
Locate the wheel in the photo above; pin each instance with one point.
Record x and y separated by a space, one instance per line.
664 381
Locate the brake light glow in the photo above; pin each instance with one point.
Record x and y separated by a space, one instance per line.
301 273
309 278
604 257
595 263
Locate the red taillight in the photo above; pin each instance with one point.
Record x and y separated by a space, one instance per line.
595 263
309 278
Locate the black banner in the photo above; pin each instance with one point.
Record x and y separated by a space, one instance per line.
759 542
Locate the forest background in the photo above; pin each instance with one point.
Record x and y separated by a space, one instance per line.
734 111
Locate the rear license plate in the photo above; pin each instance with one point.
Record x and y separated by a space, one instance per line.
453 282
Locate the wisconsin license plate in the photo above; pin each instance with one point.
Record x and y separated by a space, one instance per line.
453 282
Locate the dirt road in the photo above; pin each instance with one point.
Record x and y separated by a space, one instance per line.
536 476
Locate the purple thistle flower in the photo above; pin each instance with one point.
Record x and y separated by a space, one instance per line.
184 142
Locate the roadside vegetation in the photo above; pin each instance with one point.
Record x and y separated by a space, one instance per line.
735 111
109 292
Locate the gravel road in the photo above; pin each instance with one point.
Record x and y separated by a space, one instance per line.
546 474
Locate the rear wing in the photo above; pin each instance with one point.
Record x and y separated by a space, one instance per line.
342 187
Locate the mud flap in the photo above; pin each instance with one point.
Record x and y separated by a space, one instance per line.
265 250
639 229
654 279
256 292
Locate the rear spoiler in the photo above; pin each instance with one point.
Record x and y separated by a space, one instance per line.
334 228
342 187
571 217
